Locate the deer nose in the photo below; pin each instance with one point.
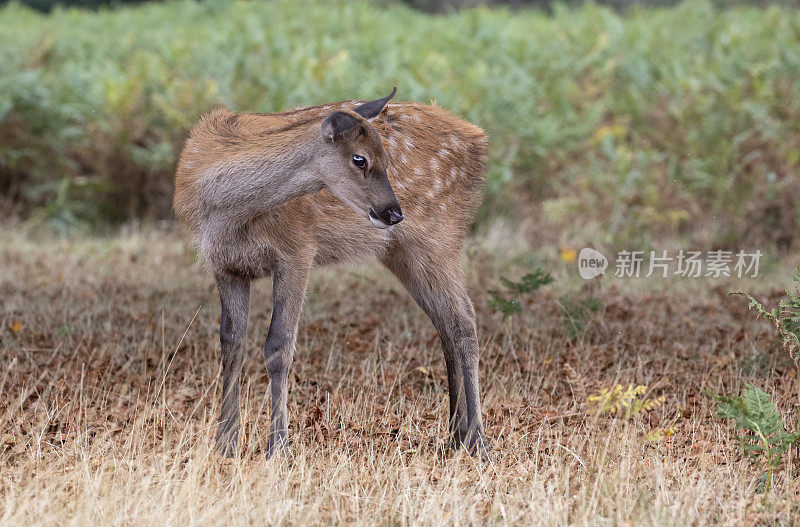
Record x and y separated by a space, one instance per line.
391 215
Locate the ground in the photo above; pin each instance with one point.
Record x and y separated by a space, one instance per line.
110 384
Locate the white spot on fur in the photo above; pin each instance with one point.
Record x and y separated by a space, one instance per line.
437 184
442 153
403 158
434 164
431 194
188 165
409 144
326 107
417 118
195 150
441 206
417 171
453 173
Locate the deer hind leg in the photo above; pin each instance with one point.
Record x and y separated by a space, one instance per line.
234 294
438 288
289 280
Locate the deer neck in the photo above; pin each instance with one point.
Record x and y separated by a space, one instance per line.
237 190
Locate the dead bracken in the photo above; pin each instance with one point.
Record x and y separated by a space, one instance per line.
114 419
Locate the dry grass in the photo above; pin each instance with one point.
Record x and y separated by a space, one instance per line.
109 388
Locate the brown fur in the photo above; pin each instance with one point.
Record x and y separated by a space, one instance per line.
435 164
442 147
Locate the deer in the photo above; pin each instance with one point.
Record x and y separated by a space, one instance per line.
277 194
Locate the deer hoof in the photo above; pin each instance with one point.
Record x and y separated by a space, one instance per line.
475 443
279 449
226 443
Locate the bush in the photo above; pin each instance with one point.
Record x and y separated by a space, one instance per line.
764 430
443 6
47 5
678 121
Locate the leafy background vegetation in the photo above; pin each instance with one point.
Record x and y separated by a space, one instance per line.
676 122
609 402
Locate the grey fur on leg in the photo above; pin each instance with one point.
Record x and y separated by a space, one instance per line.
442 295
455 321
288 288
234 296
475 438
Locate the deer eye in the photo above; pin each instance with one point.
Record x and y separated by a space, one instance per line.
359 161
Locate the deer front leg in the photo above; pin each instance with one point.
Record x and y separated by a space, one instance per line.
234 297
288 288
439 290
454 317
463 340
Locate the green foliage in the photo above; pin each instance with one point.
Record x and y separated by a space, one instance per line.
508 301
645 123
507 306
530 283
764 435
439 6
47 5
576 314
785 317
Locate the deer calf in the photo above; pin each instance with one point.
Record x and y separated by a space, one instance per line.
280 193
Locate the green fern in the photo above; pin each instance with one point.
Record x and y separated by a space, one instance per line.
576 314
785 317
765 436
530 283
506 306
508 301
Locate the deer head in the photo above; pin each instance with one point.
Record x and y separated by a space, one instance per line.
355 163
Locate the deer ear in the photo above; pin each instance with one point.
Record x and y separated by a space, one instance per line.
371 109
337 125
